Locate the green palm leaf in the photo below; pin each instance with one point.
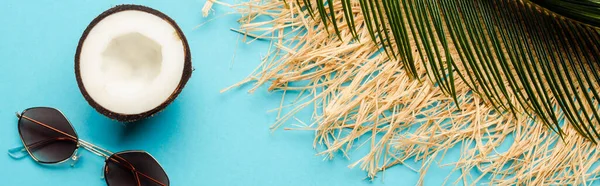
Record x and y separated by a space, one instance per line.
539 57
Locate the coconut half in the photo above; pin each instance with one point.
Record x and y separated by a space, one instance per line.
131 62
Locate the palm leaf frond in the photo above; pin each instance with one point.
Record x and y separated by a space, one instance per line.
539 58
586 11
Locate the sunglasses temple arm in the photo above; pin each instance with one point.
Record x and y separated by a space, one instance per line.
18 152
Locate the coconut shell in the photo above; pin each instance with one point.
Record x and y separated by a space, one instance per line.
187 69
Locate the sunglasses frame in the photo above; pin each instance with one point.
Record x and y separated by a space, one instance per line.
106 154
73 155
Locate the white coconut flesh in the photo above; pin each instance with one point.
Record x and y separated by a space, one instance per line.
131 62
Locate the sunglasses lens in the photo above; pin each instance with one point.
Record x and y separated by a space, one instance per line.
47 134
127 168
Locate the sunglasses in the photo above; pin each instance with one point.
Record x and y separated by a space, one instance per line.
49 138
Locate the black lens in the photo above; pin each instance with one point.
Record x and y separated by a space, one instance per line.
47 134
133 167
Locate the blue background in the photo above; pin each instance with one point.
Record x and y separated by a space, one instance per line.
203 138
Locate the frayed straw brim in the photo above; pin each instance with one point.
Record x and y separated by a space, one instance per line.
358 93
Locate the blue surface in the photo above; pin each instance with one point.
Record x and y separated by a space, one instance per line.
203 138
